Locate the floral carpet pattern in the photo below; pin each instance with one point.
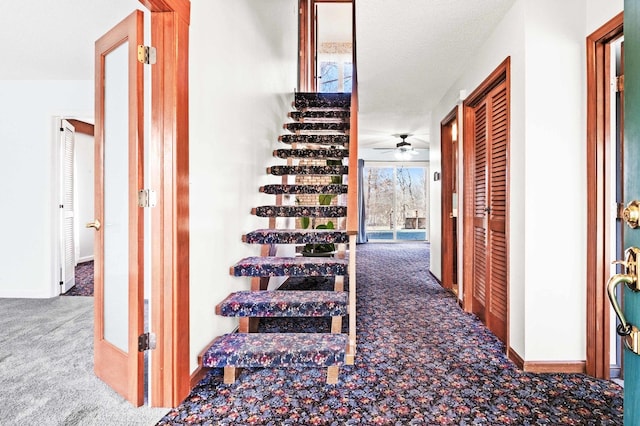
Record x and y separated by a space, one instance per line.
84 280
420 360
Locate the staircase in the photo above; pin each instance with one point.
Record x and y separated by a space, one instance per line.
309 214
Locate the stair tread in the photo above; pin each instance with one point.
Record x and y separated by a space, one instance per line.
276 349
311 153
296 236
315 139
317 126
333 188
302 266
307 170
300 211
282 303
323 114
321 100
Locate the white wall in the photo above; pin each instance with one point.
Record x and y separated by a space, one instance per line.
28 218
243 73
546 43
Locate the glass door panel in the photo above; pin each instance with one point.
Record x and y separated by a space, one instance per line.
396 201
116 198
334 56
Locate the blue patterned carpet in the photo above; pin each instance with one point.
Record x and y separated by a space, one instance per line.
421 360
84 280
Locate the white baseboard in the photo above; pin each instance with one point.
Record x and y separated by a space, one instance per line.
85 259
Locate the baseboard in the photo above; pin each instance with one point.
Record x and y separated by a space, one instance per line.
434 277
85 259
515 358
547 366
197 376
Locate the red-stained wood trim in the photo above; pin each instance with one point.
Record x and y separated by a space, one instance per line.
598 175
546 366
169 170
82 126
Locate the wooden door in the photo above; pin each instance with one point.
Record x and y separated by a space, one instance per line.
118 274
487 139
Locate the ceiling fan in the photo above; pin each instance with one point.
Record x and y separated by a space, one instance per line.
403 149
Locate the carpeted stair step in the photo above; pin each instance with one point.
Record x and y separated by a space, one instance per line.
284 304
311 153
271 266
300 211
310 100
317 127
333 188
315 139
307 170
296 236
246 350
313 115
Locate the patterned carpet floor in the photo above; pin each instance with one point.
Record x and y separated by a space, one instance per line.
421 360
84 280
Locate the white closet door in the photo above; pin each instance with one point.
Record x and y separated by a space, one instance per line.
67 231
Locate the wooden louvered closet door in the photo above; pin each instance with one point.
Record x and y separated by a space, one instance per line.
489 210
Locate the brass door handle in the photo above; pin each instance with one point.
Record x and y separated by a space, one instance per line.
628 331
95 224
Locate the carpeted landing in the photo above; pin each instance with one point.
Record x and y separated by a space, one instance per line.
421 360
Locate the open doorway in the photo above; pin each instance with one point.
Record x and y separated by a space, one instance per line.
605 118
326 45
396 197
76 206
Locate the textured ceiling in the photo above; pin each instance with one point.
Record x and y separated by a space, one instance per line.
409 54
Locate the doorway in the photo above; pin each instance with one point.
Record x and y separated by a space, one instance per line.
396 201
449 200
605 93
326 46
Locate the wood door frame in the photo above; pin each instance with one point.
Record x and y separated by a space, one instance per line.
502 73
598 151
121 370
169 171
446 198
307 41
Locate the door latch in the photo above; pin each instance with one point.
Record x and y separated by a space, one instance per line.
629 332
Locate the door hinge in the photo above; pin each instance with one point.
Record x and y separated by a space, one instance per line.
146 342
620 83
146 54
147 198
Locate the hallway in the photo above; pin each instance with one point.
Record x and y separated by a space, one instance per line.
420 360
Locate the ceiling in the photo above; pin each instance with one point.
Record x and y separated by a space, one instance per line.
408 55
408 58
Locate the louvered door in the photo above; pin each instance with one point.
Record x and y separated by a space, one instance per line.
491 133
479 211
67 209
496 306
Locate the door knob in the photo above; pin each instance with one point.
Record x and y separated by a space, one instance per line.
95 224
629 332
631 214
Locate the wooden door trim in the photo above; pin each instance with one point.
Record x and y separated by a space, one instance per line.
110 363
598 143
169 171
446 194
502 73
